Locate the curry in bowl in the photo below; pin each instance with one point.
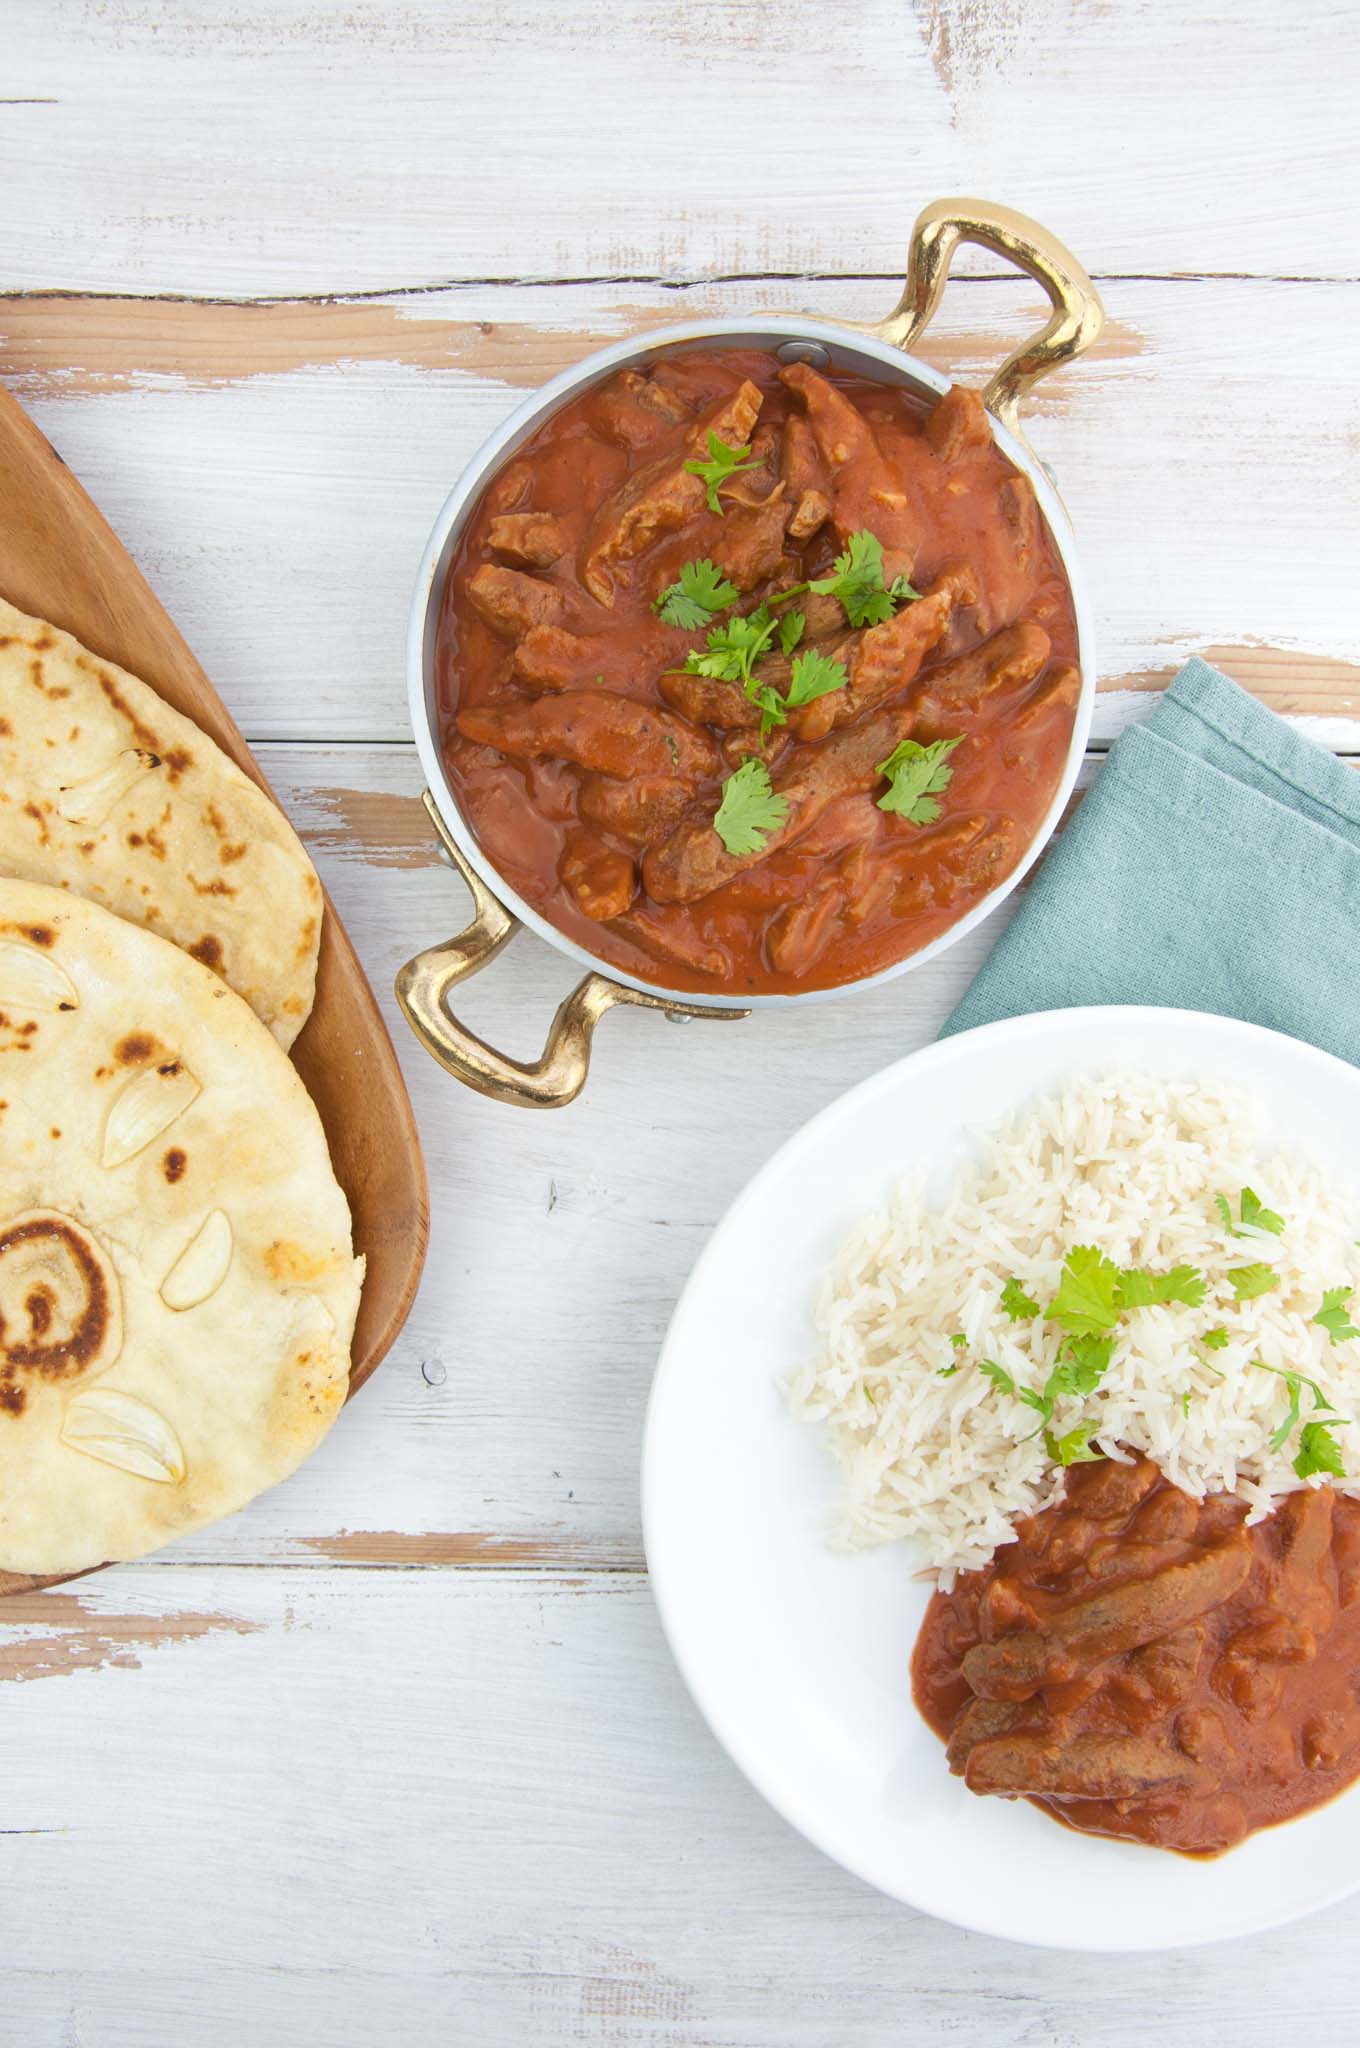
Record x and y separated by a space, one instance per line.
755 678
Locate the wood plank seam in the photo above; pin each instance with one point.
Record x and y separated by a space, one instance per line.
677 282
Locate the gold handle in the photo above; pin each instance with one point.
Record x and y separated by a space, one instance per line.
1077 315
558 1075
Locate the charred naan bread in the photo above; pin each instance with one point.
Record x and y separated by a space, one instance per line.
177 1280
107 791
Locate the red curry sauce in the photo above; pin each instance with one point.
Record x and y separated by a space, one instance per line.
1144 1665
590 767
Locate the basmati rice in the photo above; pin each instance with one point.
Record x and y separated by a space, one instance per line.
1130 1164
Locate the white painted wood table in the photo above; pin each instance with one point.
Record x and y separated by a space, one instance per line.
399 1754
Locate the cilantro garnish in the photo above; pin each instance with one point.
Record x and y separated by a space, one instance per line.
858 582
1140 1289
1087 1301
701 591
1082 1364
814 676
1334 1316
1256 1216
960 1343
1074 1448
1185 1404
1282 1434
915 775
997 1374
1295 1382
734 648
1319 1450
749 810
791 631
1248 1282
723 464
772 711
1216 1340
1256 1219
1019 1306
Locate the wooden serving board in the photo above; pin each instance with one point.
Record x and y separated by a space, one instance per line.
60 560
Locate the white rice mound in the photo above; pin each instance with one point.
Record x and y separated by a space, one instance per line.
1128 1163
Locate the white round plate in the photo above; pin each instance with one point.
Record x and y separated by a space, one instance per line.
798 1655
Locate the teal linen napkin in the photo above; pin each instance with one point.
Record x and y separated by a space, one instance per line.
1214 865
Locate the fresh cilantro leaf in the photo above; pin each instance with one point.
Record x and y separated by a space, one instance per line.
1295 1382
723 464
734 648
749 810
1185 1404
1255 1215
1319 1450
1250 1281
858 582
1285 1429
1257 1220
960 1344
1082 1364
1334 1316
1216 1340
1087 1300
814 676
791 631
916 774
772 710
1074 1448
997 1374
701 591
1296 1379
1019 1306
1139 1288
1040 1403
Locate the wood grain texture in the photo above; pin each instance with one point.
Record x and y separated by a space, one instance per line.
60 561
481 1810
312 486
325 146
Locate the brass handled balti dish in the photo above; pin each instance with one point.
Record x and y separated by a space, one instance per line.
879 353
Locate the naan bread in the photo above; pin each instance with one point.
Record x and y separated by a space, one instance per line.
107 791
177 1281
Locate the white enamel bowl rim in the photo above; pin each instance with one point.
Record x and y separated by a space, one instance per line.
845 345
714 1606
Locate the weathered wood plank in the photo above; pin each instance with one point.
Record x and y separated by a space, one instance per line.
276 470
299 1808
317 146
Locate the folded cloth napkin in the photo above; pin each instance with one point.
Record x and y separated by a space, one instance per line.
1214 865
